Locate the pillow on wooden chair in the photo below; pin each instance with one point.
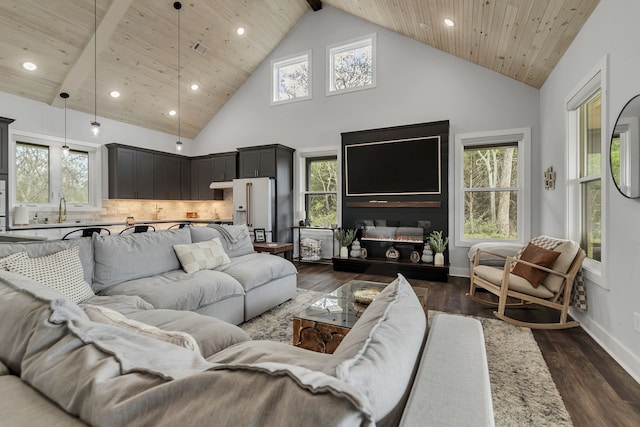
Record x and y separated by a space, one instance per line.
535 255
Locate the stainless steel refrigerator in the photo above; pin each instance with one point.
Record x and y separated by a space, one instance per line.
254 204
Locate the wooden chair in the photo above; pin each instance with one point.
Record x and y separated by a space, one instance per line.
554 292
138 229
87 232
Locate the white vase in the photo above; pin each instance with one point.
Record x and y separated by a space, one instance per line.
438 259
344 252
427 254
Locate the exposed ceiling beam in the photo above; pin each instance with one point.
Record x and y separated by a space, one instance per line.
316 5
85 63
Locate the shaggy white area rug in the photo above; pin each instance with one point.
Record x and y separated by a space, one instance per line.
523 391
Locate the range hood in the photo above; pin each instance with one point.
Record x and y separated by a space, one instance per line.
220 185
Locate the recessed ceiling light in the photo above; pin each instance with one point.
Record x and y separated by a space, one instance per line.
194 86
29 66
114 94
449 22
172 112
240 31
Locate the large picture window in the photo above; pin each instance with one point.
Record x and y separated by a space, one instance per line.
352 65
492 195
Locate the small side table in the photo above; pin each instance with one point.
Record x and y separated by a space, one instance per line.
275 248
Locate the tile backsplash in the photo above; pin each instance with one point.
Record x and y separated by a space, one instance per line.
117 210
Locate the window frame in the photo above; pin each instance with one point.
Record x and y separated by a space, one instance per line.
345 46
286 61
521 136
595 80
55 145
306 192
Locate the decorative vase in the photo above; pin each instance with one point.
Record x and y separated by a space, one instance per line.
427 254
439 259
355 249
344 252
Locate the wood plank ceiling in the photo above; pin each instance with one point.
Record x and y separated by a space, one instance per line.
137 47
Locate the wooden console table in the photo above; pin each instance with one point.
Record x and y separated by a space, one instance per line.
275 248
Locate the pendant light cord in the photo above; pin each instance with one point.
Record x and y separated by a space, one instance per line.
95 60
179 77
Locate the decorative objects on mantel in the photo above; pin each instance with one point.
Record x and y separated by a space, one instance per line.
549 179
439 244
355 249
427 254
344 236
392 254
415 257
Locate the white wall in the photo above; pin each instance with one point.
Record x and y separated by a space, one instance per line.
415 84
611 30
38 117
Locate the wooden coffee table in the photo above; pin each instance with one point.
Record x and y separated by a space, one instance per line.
322 326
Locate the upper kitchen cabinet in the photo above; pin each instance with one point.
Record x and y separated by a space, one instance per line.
130 173
201 177
4 145
167 183
224 166
264 161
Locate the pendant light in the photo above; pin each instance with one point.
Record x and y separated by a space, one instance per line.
177 6
65 147
95 126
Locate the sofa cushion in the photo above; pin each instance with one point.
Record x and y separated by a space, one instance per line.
257 268
110 317
123 304
61 271
201 255
42 248
390 333
135 255
235 239
259 351
212 335
178 290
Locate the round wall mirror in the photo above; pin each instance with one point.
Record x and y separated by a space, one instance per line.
625 150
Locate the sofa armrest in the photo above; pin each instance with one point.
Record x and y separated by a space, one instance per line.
452 386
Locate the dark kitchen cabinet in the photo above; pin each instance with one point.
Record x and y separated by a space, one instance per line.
4 145
130 173
167 183
224 167
201 177
258 162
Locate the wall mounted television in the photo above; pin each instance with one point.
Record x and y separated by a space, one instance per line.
393 168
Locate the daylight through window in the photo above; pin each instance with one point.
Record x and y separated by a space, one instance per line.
321 192
291 79
352 66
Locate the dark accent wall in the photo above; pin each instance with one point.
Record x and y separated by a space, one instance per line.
403 210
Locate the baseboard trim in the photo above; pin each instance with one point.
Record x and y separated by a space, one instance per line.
458 272
621 354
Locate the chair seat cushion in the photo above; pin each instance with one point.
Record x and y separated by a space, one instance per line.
516 283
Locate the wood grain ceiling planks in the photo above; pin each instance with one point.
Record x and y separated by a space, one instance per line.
137 55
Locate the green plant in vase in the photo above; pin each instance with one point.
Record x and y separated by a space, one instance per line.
438 244
344 236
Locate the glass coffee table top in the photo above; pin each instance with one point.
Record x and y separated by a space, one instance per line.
340 308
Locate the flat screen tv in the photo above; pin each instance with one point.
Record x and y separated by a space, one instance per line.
397 167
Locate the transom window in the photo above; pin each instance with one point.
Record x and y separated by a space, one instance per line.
291 79
352 65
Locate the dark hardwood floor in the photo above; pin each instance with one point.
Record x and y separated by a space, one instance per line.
595 389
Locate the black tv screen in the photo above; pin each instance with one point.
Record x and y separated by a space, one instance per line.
398 167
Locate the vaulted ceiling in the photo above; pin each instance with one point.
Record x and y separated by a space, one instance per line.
137 47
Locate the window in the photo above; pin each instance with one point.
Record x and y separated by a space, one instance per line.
43 173
291 79
321 192
492 193
352 65
586 142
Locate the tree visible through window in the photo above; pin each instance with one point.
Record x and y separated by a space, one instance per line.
291 79
352 66
75 177
32 173
490 191
321 197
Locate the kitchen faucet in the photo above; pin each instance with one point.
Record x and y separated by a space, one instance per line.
62 214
